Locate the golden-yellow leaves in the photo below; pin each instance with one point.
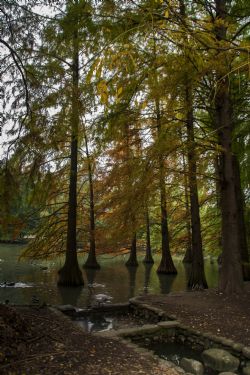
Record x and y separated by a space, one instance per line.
102 90
119 94
91 70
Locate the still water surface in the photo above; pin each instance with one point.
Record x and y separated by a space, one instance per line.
114 280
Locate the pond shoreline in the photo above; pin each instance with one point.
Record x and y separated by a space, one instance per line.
14 242
114 279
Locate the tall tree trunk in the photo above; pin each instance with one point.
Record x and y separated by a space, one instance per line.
132 260
148 257
188 254
166 265
70 274
241 220
230 277
197 279
91 261
217 182
218 198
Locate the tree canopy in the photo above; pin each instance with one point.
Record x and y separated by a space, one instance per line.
128 127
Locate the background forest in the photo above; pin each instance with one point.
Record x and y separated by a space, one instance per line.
126 127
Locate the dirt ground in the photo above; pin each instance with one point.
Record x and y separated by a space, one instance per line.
36 341
209 311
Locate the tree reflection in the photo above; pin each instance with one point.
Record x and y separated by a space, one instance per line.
166 282
132 280
70 296
148 268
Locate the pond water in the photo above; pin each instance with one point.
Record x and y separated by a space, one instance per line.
174 352
38 279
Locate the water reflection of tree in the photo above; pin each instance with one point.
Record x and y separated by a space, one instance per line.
187 269
166 282
147 268
70 296
132 279
91 278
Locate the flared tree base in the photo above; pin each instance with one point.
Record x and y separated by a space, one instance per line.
167 268
187 259
148 260
92 264
132 263
197 281
70 276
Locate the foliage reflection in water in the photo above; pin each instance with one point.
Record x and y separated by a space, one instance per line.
114 280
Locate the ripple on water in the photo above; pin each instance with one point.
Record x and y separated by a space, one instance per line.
15 285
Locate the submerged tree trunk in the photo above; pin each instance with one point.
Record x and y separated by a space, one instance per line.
148 257
132 260
166 265
70 274
197 279
230 277
91 261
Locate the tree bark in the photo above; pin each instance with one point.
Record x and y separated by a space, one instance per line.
230 277
70 274
241 220
166 265
197 279
91 261
188 254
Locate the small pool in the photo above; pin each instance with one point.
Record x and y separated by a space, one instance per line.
174 352
100 322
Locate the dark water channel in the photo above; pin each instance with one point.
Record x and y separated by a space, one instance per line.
99 322
174 352
23 280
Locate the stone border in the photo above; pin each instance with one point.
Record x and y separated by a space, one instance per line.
120 335
129 336
192 337
165 329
